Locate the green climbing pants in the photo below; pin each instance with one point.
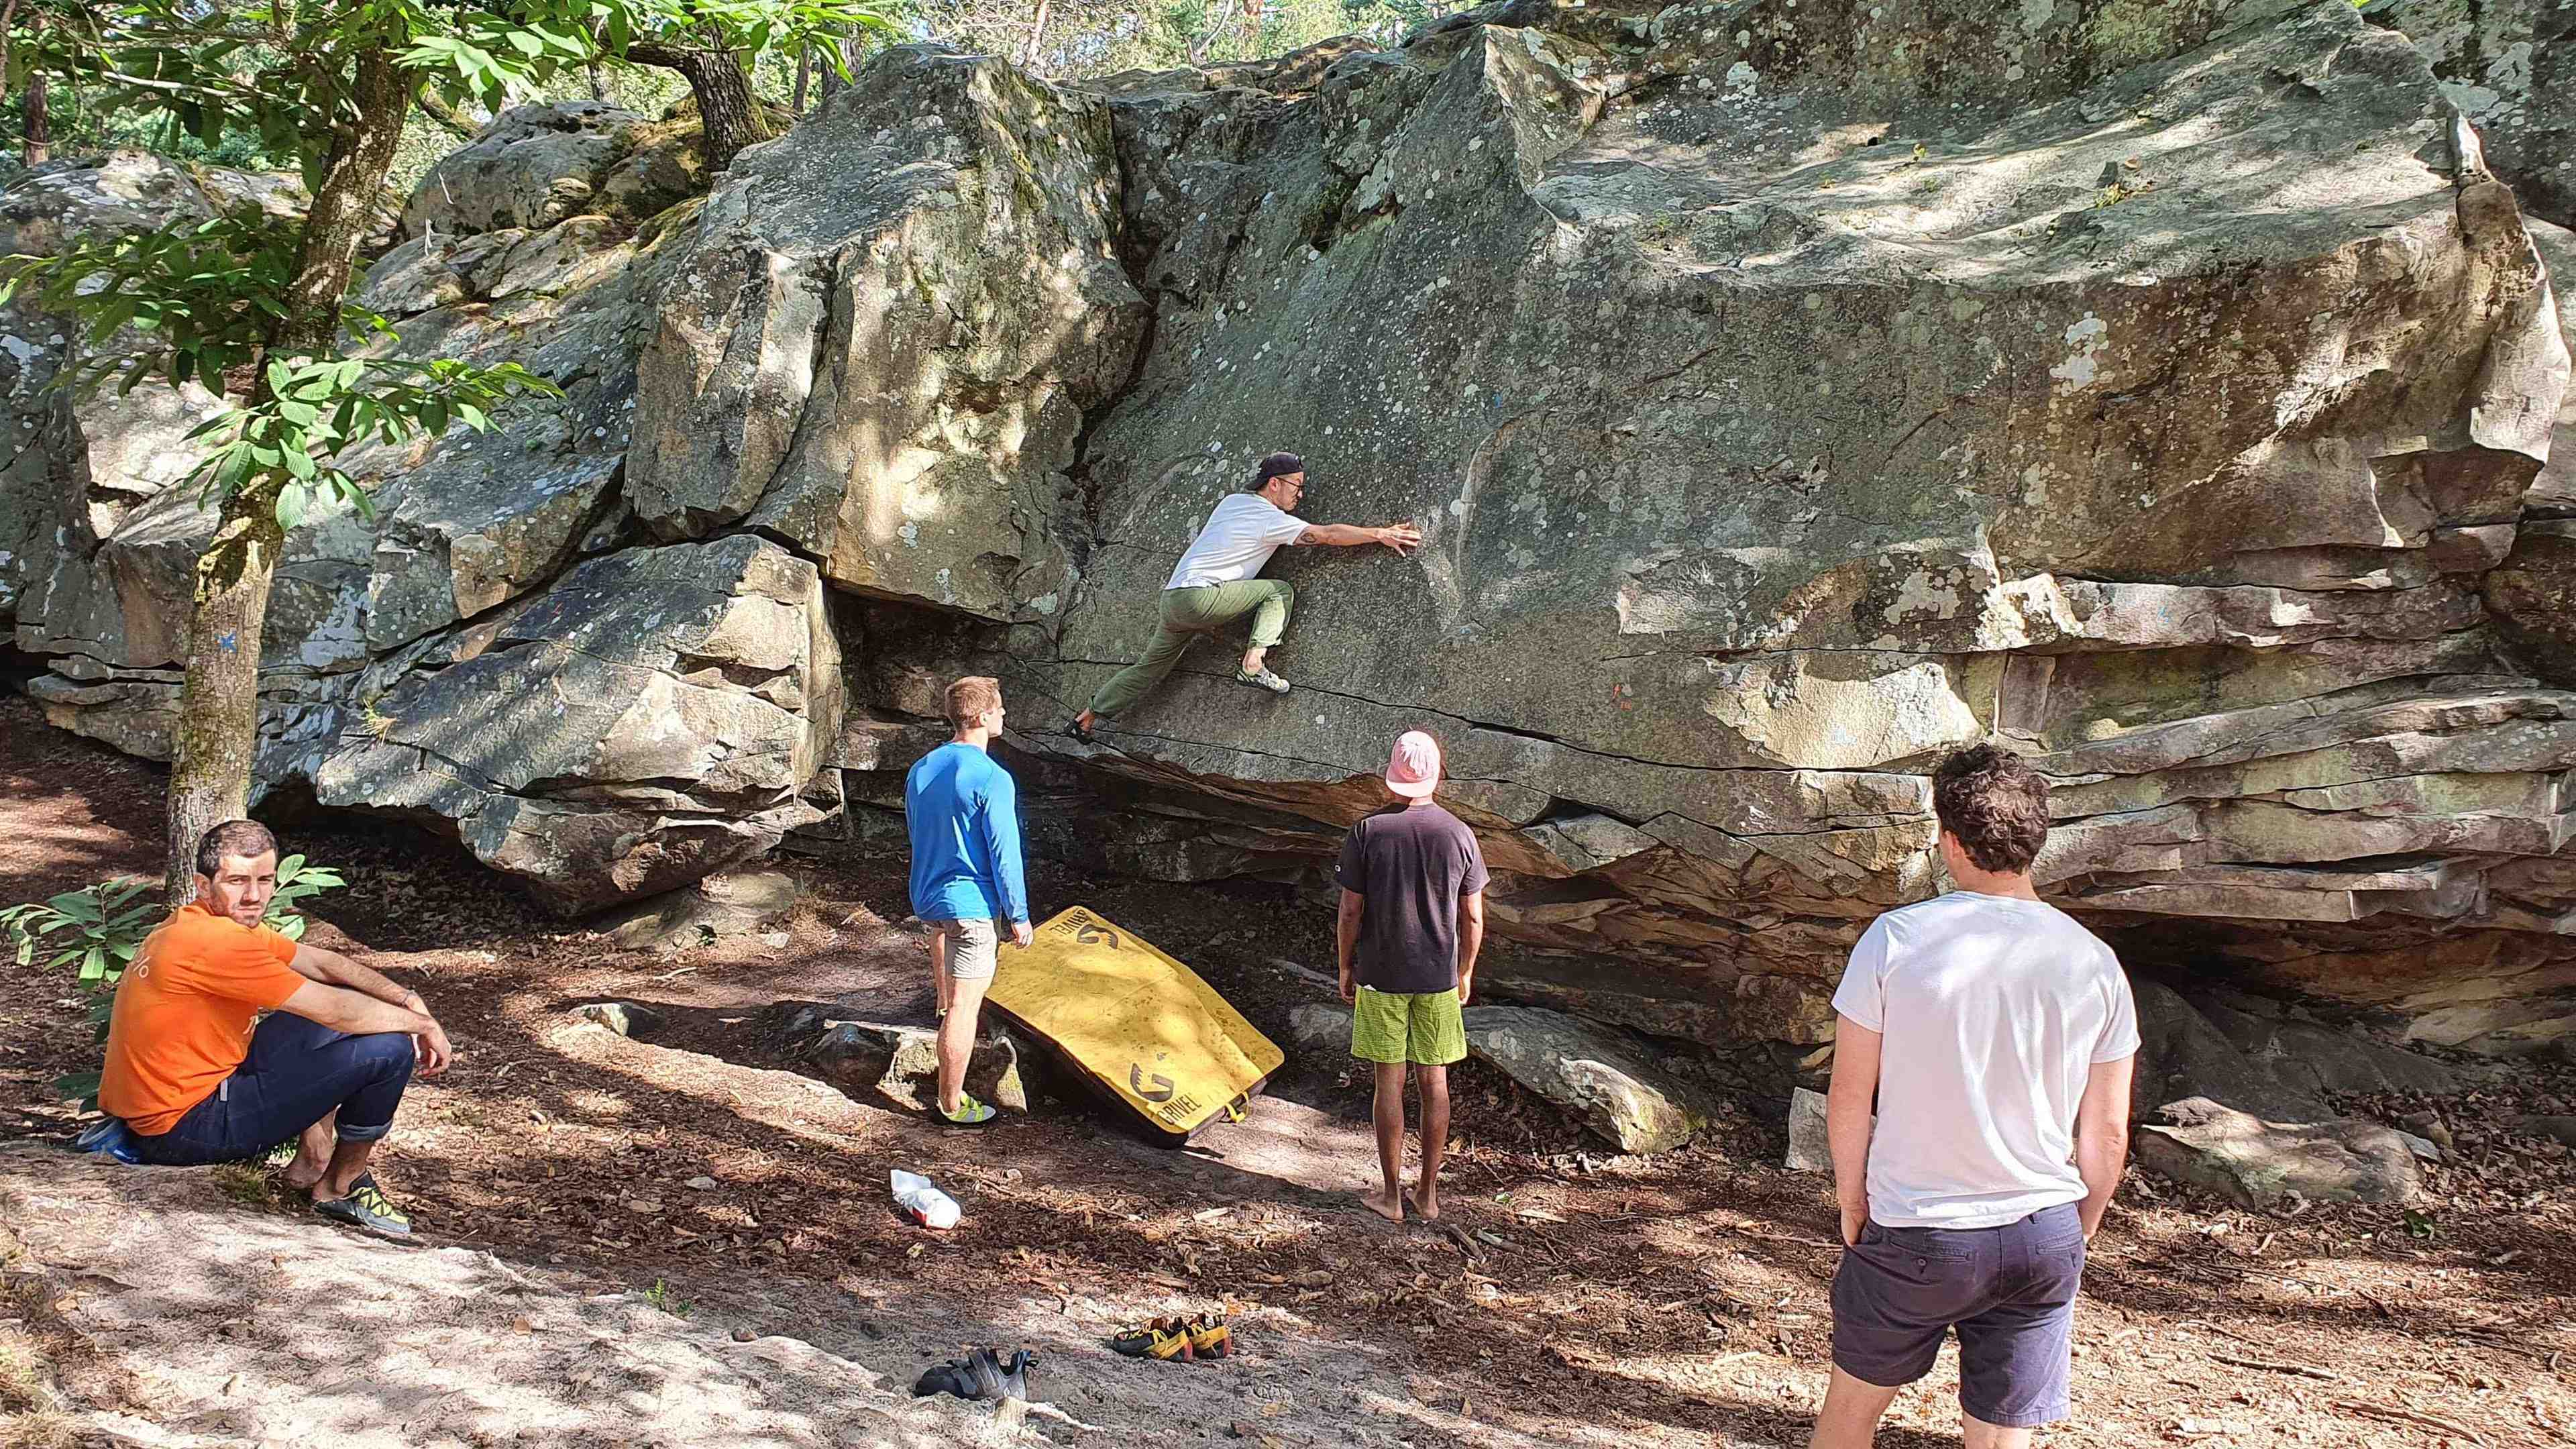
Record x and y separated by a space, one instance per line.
1186 614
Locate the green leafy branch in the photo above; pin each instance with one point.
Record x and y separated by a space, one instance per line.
795 27
284 442
98 930
200 294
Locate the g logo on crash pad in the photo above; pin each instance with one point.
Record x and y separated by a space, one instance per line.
1092 933
1161 1091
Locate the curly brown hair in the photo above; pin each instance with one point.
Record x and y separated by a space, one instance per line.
1995 805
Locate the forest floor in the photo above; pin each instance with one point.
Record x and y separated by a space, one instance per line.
678 1242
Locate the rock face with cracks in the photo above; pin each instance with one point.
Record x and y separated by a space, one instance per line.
1787 394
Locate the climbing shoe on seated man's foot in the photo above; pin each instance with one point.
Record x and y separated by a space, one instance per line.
969 1113
1262 680
366 1207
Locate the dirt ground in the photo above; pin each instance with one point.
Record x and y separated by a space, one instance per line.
647 1205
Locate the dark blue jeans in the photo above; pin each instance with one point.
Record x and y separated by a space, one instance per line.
297 1073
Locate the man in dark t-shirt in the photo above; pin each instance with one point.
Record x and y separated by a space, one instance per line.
1413 917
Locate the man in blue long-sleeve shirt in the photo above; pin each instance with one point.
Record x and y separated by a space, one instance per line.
964 815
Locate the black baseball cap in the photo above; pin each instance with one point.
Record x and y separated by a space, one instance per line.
1277 465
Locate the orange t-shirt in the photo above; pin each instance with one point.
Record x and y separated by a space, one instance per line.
183 1014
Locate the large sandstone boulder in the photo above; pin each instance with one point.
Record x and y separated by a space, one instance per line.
468 527
73 468
536 165
888 331
656 714
1816 409
1788 393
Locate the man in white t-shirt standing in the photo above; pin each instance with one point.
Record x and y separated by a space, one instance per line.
1997 1036
1214 584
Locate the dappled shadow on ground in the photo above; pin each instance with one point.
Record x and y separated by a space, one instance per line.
1587 1299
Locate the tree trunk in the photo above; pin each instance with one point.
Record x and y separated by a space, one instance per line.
8 22
435 106
598 81
39 147
804 79
217 739
726 111
1037 37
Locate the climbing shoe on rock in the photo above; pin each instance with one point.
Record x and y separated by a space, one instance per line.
366 1207
1262 680
969 1113
1164 1338
1210 1337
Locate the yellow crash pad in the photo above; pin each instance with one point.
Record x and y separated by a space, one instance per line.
1158 1039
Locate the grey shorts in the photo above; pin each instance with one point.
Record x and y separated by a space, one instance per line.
972 948
2009 1291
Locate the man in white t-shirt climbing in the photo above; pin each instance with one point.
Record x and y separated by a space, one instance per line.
1997 1036
1214 584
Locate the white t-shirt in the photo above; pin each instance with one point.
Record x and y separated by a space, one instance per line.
1994 1009
1241 535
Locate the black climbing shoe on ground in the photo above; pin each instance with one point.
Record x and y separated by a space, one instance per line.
366 1207
1263 680
952 1377
982 1374
997 1378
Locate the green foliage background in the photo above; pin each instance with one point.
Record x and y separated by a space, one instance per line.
1082 38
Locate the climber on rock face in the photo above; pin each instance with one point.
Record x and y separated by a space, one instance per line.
1214 584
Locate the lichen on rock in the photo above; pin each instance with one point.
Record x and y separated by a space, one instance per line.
1787 393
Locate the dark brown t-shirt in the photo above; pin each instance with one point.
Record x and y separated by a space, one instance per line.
1412 865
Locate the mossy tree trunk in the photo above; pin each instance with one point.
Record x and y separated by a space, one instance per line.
217 739
726 110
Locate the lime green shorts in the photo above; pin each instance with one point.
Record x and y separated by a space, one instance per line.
1391 1027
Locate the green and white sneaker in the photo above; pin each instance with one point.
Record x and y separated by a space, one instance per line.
366 1207
1264 680
969 1113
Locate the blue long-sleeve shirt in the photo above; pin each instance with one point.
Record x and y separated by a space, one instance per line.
964 815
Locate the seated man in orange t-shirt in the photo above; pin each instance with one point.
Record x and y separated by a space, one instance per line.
195 1083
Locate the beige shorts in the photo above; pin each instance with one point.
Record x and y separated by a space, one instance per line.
972 948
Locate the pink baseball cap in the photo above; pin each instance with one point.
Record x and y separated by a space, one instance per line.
1413 771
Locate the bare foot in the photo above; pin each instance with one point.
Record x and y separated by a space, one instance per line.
302 1173
1385 1204
1425 1203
